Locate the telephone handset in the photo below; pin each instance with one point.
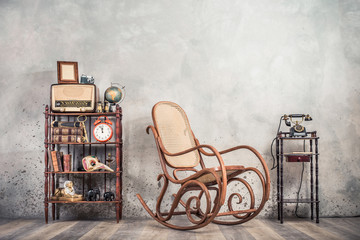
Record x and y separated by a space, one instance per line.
296 130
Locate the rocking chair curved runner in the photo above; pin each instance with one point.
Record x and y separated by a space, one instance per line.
180 151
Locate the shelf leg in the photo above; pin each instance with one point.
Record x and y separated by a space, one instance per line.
117 212
281 183
317 180
46 212
120 208
52 193
278 179
311 181
119 159
46 157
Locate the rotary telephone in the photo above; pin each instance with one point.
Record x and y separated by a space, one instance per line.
296 130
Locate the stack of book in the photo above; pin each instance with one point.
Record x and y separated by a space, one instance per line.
67 134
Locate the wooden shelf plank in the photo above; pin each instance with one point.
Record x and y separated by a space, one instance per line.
84 114
90 143
298 138
84 172
297 154
302 200
96 202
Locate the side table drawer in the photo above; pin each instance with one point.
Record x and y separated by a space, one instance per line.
298 158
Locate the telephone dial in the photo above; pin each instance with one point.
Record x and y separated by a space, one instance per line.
297 130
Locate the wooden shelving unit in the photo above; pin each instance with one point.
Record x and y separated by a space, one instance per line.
78 149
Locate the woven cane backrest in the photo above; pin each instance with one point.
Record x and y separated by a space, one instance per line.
174 130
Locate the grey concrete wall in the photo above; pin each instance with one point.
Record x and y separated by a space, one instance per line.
234 66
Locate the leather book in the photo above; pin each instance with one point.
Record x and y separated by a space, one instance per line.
67 139
67 163
54 161
65 124
67 131
58 158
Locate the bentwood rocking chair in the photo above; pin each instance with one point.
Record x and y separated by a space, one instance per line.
202 194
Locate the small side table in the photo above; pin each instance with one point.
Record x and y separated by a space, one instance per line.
311 137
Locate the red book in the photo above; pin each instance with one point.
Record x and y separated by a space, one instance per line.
67 163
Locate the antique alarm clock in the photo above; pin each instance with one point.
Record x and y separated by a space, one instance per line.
103 130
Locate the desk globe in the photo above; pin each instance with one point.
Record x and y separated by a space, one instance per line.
114 94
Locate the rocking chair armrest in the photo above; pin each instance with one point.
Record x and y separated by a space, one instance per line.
253 150
228 150
215 153
262 161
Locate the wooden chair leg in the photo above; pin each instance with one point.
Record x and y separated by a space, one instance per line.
204 217
244 215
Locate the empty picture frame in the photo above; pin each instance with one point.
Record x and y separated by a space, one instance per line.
67 72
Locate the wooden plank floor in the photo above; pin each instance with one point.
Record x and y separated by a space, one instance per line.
329 228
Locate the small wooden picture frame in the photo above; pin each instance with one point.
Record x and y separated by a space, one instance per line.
67 72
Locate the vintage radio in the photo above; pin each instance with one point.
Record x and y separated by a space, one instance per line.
73 97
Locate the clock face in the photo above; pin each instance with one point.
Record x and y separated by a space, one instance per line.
103 132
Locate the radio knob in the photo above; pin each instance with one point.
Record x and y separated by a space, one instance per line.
62 109
82 109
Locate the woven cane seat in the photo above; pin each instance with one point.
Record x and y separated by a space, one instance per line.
174 130
231 172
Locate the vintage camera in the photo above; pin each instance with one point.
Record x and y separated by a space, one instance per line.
87 79
296 130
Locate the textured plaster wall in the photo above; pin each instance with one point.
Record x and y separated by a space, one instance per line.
234 66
